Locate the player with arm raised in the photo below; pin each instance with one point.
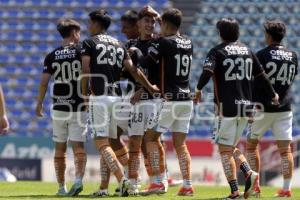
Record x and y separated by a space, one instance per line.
103 59
280 64
233 66
172 55
69 120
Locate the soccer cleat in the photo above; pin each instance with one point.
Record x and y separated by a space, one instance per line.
174 183
99 193
154 188
75 190
134 190
124 186
256 191
236 195
62 191
189 191
284 193
250 182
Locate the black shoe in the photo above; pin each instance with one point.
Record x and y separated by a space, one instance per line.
234 196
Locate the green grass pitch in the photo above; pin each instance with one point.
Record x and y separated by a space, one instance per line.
39 190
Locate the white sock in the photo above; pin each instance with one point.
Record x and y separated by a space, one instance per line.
164 176
103 190
151 179
125 171
157 179
78 180
287 184
187 183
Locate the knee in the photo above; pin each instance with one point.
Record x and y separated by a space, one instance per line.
226 149
251 145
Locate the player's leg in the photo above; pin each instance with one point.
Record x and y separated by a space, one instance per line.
154 155
228 132
282 130
60 167
262 122
77 128
60 137
105 176
120 149
101 124
184 160
80 163
181 113
135 142
229 167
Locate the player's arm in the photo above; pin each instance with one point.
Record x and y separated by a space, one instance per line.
261 79
86 53
4 124
208 70
85 72
139 76
42 93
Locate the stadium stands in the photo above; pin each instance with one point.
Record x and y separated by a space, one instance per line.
28 32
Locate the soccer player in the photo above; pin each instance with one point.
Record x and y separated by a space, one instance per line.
103 59
69 118
129 24
145 108
281 65
232 66
4 124
173 52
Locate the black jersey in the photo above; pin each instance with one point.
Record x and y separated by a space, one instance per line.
172 55
64 64
152 73
233 66
107 56
281 65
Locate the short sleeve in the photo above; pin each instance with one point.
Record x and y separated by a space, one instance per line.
210 61
295 57
86 49
256 66
47 65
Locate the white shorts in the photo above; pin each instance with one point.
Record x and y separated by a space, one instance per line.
228 130
280 123
144 116
123 115
175 116
69 125
103 114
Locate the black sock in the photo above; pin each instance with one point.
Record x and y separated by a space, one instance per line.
245 168
233 186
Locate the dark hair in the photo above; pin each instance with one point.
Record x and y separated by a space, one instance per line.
276 29
229 29
130 16
172 16
101 16
66 25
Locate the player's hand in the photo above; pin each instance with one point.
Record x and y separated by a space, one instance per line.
154 89
131 50
275 100
198 96
137 96
4 125
39 110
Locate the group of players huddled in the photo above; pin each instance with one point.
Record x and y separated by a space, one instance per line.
142 89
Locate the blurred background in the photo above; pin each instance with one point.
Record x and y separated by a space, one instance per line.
28 33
